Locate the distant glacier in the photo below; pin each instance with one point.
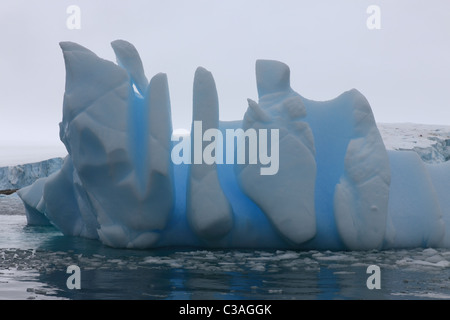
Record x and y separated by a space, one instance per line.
20 176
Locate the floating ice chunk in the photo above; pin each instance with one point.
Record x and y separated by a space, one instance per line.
435 259
208 210
421 263
323 180
429 252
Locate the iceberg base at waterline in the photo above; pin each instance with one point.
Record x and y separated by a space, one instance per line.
293 173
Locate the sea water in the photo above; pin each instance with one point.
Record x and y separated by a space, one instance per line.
34 264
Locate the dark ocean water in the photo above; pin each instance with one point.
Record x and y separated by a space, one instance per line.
34 262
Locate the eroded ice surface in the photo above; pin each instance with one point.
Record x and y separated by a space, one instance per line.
331 184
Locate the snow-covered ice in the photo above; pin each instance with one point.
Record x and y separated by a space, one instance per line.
342 182
430 142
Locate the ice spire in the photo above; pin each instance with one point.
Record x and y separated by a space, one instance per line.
208 210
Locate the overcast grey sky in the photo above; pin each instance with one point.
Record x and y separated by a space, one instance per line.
403 68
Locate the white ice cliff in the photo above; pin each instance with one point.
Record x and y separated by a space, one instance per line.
294 173
19 176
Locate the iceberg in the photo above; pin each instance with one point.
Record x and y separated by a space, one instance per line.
293 173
